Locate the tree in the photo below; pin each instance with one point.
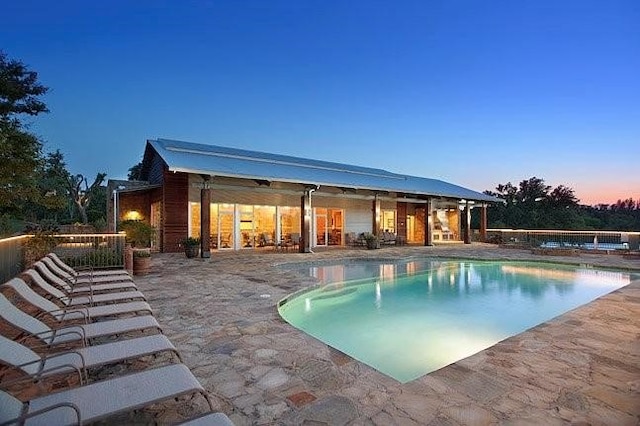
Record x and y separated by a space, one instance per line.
20 160
82 196
134 172
534 205
19 90
20 151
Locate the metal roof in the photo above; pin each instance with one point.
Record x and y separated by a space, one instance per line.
232 162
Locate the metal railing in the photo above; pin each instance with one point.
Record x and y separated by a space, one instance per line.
11 257
97 250
78 250
548 238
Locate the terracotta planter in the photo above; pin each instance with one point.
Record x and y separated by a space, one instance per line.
191 251
141 261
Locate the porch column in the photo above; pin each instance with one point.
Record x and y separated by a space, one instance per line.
205 222
375 209
305 222
466 223
483 223
428 223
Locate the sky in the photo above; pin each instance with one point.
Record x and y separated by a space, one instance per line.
476 93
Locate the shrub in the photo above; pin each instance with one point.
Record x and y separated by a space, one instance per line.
100 258
142 253
139 234
191 242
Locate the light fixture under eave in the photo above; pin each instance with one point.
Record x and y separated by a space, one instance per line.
132 215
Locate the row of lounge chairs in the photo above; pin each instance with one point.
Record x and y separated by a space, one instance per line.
58 326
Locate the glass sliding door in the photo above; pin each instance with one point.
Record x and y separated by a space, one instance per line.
264 221
289 222
335 231
247 233
320 227
226 215
214 241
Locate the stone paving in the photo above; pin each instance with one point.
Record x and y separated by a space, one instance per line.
580 368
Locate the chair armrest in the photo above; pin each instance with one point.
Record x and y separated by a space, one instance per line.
23 417
35 377
77 330
75 309
56 355
78 310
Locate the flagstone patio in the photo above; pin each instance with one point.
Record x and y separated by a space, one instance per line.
582 367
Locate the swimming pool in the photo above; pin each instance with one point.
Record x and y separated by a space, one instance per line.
409 318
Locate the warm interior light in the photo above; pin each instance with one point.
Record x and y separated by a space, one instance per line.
132 215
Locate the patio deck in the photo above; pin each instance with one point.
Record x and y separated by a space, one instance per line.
581 367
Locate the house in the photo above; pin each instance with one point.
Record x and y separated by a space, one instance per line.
238 199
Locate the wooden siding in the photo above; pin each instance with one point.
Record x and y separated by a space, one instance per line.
175 210
401 219
157 170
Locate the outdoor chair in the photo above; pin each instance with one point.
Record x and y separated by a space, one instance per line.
115 274
82 333
103 399
36 367
66 313
123 280
293 242
266 240
69 300
46 272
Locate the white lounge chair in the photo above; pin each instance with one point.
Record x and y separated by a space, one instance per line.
45 271
112 274
103 399
67 299
76 333
20 357
66 313
209 419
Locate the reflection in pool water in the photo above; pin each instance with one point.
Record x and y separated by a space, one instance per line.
409 318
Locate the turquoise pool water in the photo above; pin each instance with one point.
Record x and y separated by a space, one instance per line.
409 318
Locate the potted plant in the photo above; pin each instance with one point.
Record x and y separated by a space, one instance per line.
141 261
372 241
139 235
191 246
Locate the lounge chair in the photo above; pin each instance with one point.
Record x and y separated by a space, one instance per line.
67 299
63 285
61 314
103 399
209 419
110 273
20 357
83 333
123 280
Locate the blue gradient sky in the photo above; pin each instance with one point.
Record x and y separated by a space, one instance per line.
472 92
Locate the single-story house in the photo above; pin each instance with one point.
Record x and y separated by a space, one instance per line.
237 199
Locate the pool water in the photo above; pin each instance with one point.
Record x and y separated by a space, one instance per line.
409 318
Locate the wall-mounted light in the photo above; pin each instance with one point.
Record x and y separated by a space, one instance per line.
132 215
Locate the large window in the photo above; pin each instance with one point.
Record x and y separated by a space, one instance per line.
388 221
252 226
